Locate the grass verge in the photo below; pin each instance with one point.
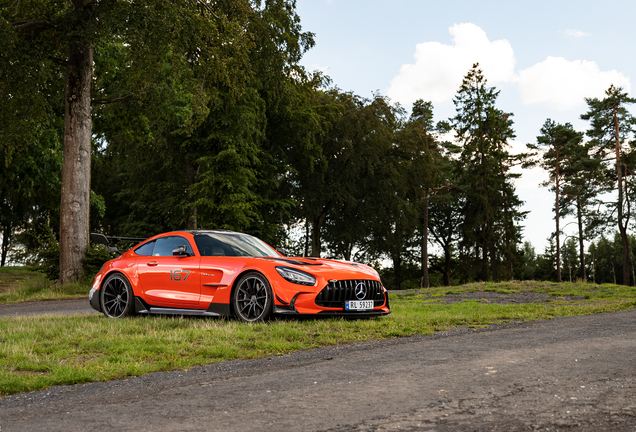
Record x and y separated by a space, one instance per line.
38 352
20 284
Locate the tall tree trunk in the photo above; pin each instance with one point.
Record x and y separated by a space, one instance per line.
191 174
484 264
447 263
557 217
76 167
579 216
6 236
316 243
397 271
625 243
306 237
494 262
347 251
425 282
622 221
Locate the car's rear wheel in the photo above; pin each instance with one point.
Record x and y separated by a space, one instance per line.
117 297
252 298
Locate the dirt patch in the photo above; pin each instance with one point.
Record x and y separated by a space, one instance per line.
512 298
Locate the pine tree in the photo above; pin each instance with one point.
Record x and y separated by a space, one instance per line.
611 126
490 213
426 163
557 140
584 179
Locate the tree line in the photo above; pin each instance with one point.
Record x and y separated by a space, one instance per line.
592 180
135 118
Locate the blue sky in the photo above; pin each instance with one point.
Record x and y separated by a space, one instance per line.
544 56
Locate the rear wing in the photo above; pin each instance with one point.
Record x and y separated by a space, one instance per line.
112 242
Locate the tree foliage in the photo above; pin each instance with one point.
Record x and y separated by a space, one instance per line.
611 127
156 116
490 213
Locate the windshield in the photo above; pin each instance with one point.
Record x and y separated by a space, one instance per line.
231 244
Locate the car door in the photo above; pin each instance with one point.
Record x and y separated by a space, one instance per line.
169 280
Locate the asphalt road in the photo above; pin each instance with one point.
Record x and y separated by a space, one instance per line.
574 373
55 307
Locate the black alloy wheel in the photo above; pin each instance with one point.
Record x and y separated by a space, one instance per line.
117 296
252 298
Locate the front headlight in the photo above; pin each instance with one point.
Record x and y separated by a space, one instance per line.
296 276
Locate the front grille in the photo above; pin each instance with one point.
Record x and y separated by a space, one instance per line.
335 294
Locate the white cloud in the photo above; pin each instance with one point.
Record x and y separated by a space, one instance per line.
575 33
322 69
564 84
438 69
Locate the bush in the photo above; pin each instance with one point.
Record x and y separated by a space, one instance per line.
96 256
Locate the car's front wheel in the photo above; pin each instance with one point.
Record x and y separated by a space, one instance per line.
117 297
252 298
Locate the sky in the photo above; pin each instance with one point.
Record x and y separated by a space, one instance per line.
545 57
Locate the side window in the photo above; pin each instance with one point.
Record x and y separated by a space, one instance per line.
165 245
145 249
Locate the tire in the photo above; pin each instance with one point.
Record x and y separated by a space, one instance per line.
252 298
117 297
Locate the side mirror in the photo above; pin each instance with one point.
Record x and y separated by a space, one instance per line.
180 251
282 251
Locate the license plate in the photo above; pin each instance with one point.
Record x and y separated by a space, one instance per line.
358 305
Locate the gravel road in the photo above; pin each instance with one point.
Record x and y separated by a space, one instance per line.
575 373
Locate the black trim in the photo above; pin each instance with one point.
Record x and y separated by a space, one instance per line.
222 309
291 261
286 308
140 307
107 241
354 314
292 304
278 309
281 300
176 311
337 292
94 301
214 285
215 309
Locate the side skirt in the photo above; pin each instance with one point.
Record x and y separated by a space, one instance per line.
142 308
171 311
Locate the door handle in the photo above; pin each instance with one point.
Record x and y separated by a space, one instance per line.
152 263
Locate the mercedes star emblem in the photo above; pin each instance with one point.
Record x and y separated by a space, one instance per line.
361 291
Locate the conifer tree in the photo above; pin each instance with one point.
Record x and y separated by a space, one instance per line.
490 212
584 179
426 161
611 125
557 140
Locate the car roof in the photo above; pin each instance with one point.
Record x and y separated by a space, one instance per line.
220 231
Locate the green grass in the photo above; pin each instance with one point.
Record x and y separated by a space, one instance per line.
38 352
20 284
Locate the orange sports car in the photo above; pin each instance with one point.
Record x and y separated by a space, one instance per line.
225 273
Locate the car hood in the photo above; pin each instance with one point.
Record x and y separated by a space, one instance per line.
324 267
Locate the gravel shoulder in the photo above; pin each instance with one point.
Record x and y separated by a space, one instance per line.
574 373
